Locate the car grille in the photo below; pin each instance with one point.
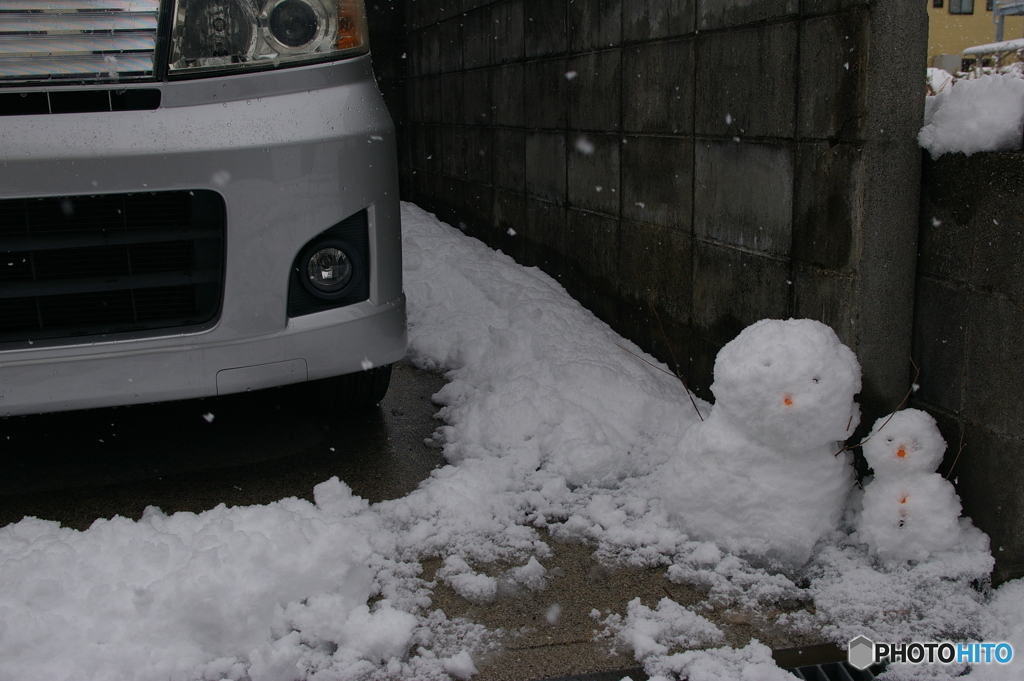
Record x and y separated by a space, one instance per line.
75 40
88 265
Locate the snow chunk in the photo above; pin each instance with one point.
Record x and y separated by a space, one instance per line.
460 666
751 663
532 575
939 80
983 114
475 588
654 632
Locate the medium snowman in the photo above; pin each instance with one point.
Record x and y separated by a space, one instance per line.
910 511
762 474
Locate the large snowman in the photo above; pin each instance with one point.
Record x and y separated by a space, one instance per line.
910 511
762 474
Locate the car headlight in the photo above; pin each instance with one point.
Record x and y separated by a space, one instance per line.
231 35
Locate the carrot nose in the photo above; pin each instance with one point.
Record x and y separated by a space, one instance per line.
788 401
901 453
903 499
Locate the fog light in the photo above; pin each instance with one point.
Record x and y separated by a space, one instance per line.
328 270
293 23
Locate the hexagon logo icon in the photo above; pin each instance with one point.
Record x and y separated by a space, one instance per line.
861 652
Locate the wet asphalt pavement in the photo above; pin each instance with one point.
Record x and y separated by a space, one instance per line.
253 448
256 448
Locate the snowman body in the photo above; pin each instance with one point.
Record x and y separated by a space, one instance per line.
910 511
761 475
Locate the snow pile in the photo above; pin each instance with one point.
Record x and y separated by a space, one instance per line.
548 423
222 593
761 475
536 379
1004 621
910 511
983 114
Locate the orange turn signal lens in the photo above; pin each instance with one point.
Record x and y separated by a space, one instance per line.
352 32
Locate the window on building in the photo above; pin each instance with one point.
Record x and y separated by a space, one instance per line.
961 6
988 5
937 3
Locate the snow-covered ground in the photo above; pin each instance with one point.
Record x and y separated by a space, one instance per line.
550 421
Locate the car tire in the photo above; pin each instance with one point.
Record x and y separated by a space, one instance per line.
361 390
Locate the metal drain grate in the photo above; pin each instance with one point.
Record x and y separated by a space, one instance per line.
820 663
833 671
825 662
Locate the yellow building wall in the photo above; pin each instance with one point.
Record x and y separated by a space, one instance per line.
954 33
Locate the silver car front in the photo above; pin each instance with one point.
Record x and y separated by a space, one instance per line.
196 198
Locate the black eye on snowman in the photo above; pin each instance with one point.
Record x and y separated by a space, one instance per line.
888 440
815 380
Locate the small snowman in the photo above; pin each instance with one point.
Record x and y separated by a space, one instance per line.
910 511
762 474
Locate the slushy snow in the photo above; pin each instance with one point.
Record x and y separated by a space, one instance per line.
547 423
764 475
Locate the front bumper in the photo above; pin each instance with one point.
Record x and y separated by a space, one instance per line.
292 152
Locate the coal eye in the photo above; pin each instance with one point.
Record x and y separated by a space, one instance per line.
888 440
814 380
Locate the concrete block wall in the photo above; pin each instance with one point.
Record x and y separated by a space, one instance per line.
386 23
969 337
684 167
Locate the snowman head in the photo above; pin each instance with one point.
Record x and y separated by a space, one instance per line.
906 442
789 384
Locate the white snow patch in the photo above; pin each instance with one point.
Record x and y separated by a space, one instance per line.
982 114
460 666
169 596
655 632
